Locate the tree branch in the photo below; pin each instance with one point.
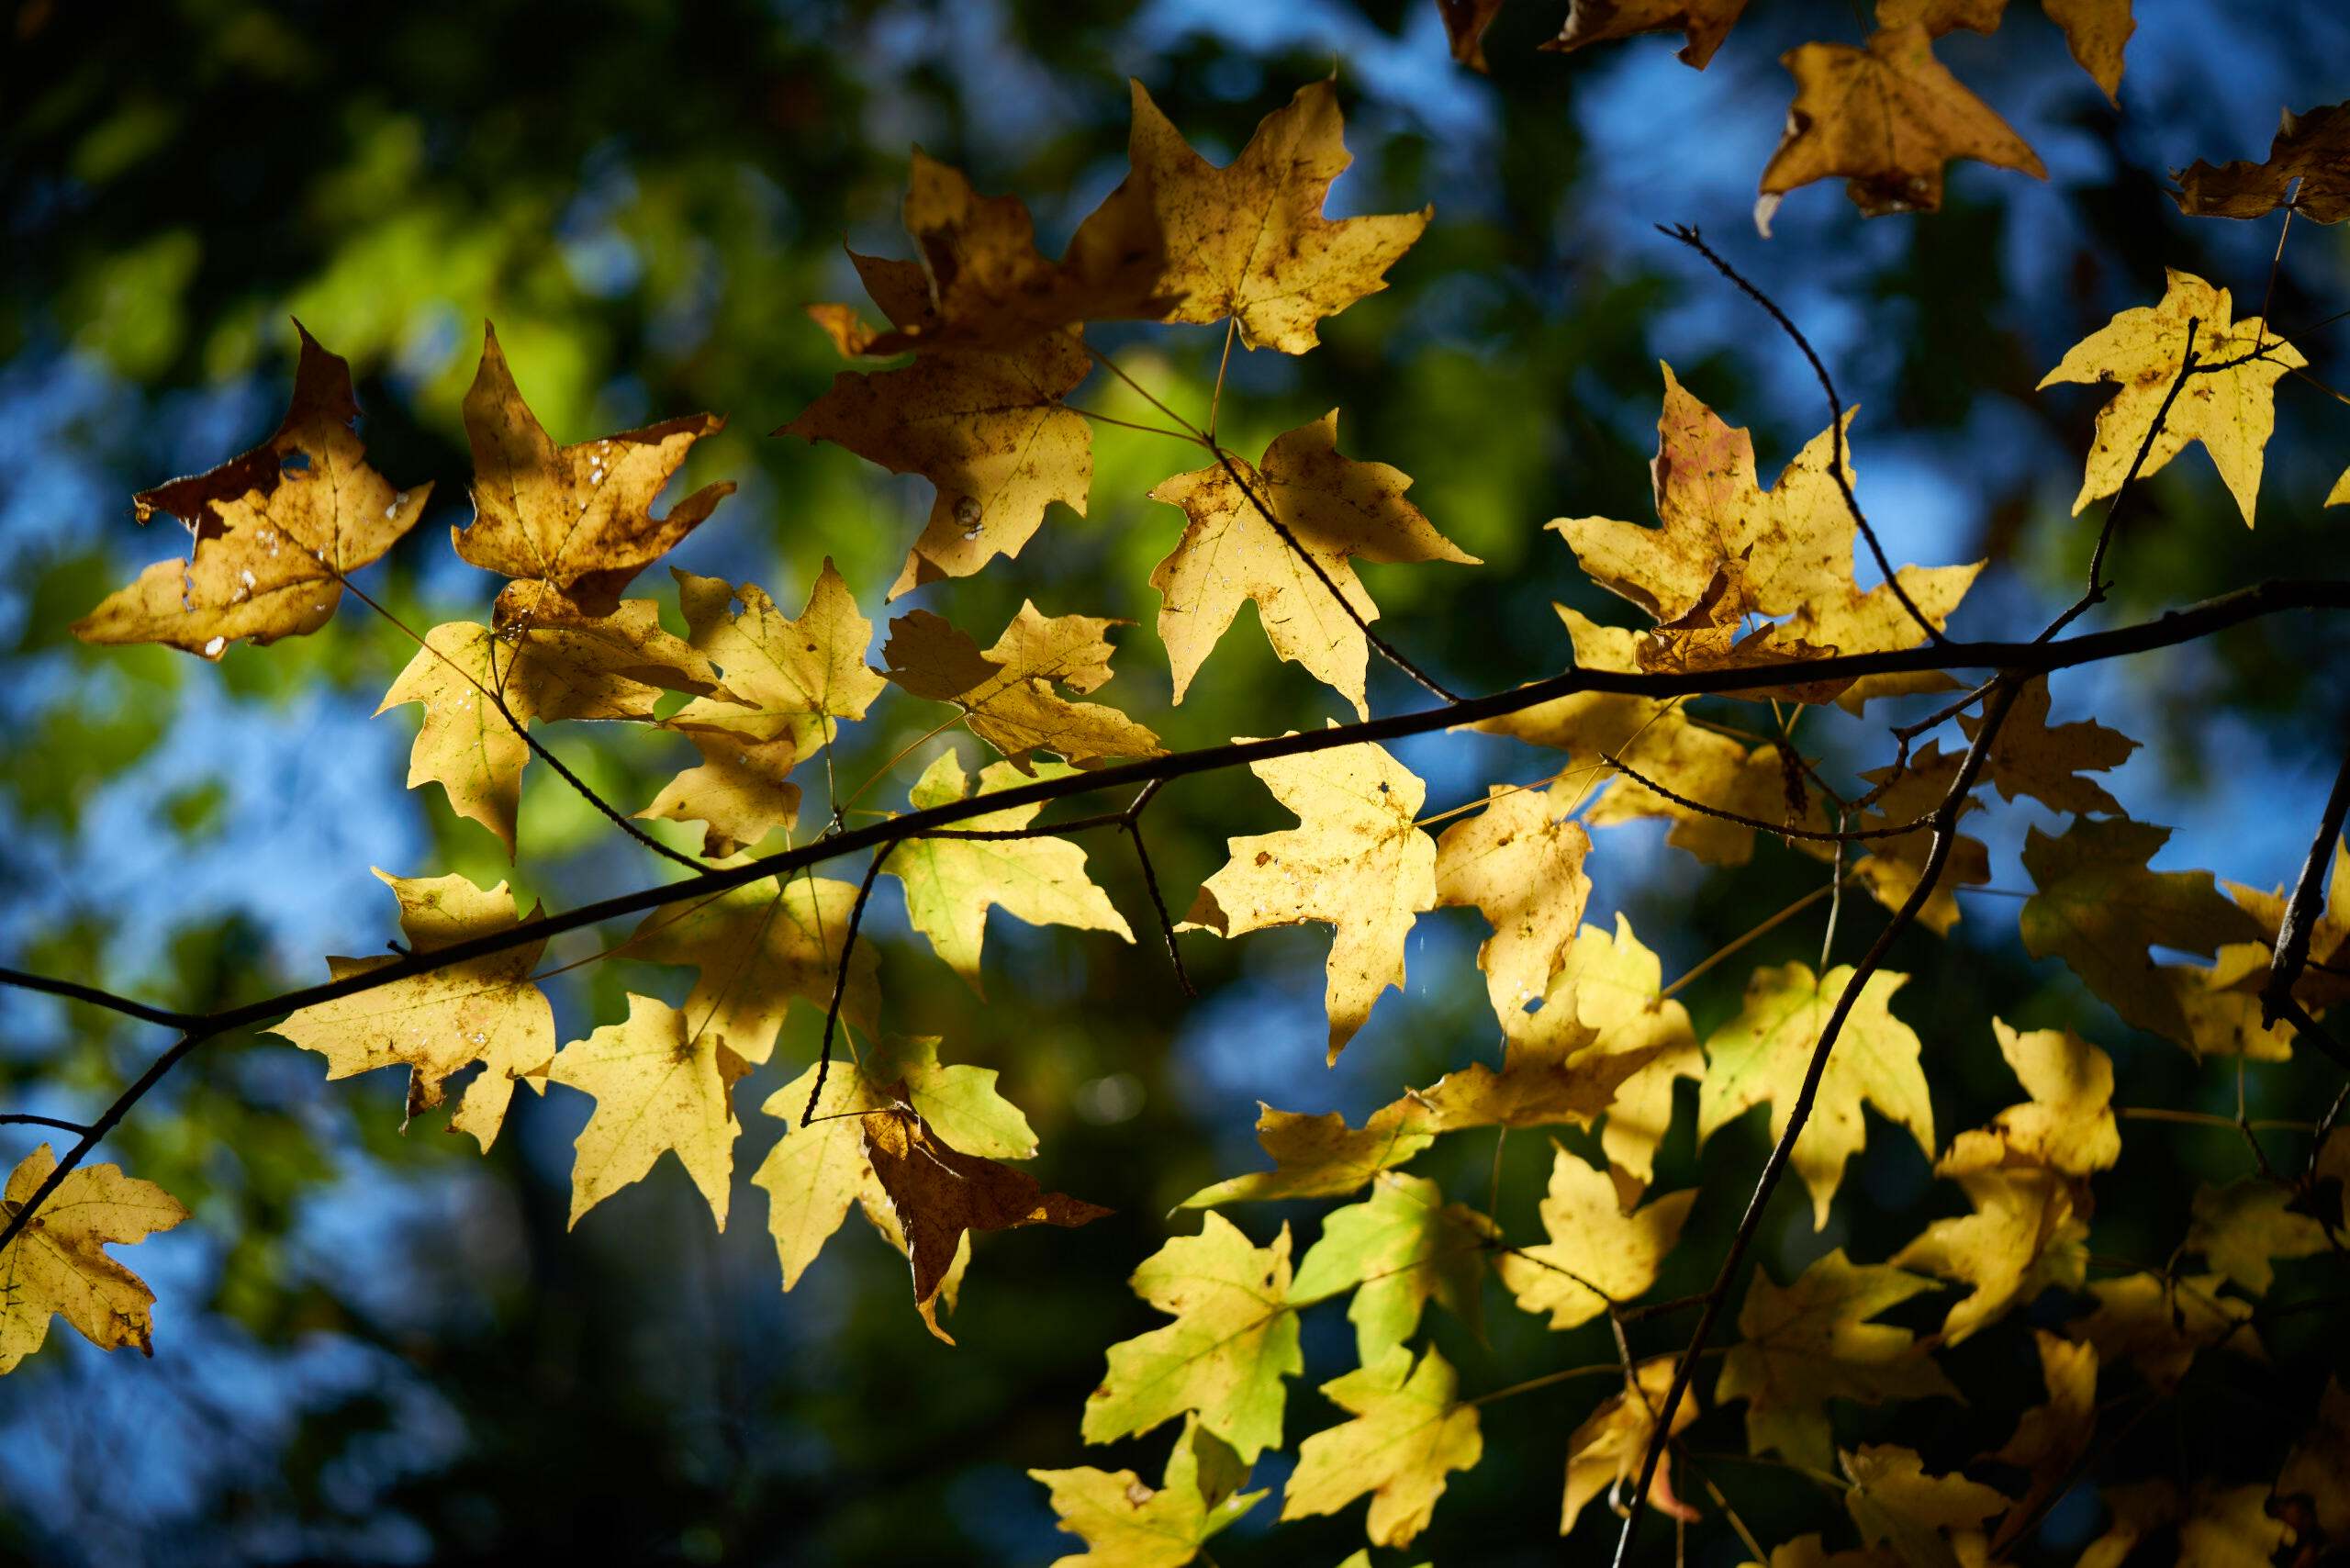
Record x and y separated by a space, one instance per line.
1945 838
73 990
840 984
2293 933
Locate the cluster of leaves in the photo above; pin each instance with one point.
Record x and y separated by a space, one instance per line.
1755 598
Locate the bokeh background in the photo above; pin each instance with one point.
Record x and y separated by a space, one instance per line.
378 1347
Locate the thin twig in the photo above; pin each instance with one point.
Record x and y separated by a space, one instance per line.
840 984
1724 813
27 1119
1724 951
2301 912
1945 830
74 990
1837 468
1131 820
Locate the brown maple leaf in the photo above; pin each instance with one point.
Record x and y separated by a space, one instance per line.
2312 147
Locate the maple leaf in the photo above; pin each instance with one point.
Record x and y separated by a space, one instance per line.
2318 1466
1612 982
2028 1232
1233 1340
485 1011
1333 508
1885 118
1606 1452
2242 1229
2067 1126
1398 1250
2160 1325
1894 864
986 427
1597 1256
816 1171
1894 1502
2228 1526
2094 31
2229 407
1703 23
1125 1524
2050 1439
660 1085
1248 241
1406 1436
1355 861
2222 1004
787 682
2133 1512
2099 908
1764 1053
1519 863
58 1266
1007 693
616 667
951 883
758 947
1321 1157
273 532
938 1193
570 524
1551 1074
2312 147
1807 1343
2029 758
1465 22
2329 949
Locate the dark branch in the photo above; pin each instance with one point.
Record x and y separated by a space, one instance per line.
1131 820
74 990
840 985
2292 953
26 1119
1724 813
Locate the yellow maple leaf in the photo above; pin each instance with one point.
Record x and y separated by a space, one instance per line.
986 426
951 883
1611 982
2229 407
615 667
1334 509
1007 693
1597 1256
1894 1502
1398 1250
759 948
2067 1126
273 532
58 1267
787 682
2161 1325
1885 118
1892 865
661 1086
1552 1073
1608 1449
1248 241
1703 23
2242 1229
1519 863
1355 861
1125 1524
1233 1340
1764 1052
2050 1439
569 524
2312 147
2329 949
938 1195
1804 1344
1321 1157
1406 1436
485 1011
2029 1232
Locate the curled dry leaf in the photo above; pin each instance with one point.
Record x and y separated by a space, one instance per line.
571 525
1607 1451
58 1266
2311 147
273 532
1704 24
1886 120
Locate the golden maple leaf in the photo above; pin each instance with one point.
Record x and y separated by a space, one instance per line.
273 532
2312 147
2050 1439
1894 1502
1321 1157
1408 1433
569 524
1885 118
2230 407
986 426
951 883
1125 1524
1355 860
485 1011
1519 863
1597 1256
58 1266
1247 242
2094 31
759 948
1007 693
1764 1052
1333 509
1606 1452
2161 1325
2029 756
661 1085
